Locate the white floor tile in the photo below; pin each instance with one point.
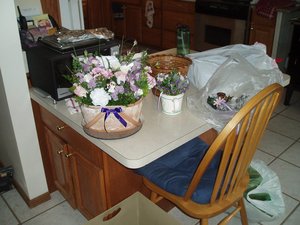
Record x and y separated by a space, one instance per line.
294 218
292 111
290 205
267 158
292 155
6 216
181 217
285 126
22 211
62 214
289 177
274 143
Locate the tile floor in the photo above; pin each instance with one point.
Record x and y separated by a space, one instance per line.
280 149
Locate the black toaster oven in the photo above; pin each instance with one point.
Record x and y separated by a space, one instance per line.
47 66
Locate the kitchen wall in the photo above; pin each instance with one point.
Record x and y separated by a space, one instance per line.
19 144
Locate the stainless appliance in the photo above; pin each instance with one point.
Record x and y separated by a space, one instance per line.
221 22
50 61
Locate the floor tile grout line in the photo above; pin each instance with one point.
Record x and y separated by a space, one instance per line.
43 212
290 214
11 210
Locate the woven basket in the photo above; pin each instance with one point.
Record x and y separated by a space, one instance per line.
164 63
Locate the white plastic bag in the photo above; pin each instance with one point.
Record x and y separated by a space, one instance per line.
237 78
206 63
257 210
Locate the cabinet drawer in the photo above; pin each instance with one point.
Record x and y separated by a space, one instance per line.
172 19
179 6
52 122
78 143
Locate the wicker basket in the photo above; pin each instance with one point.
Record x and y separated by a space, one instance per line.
163 63
167 63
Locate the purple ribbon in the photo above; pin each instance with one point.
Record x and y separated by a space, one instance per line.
116 112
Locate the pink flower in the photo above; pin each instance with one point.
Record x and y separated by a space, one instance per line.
151 81
80 91
219 101
121 77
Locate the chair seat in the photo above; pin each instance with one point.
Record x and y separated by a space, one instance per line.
174 171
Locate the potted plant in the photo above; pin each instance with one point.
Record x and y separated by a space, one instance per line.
172 87
110 90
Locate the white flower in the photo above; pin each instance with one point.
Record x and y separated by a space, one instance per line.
111 87
109 62
100 97
126 67
87 77
138 93
137 55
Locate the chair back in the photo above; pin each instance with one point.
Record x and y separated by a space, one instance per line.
238 142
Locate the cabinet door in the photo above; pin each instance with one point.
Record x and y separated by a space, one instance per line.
88 184
133 22
60 166
262 34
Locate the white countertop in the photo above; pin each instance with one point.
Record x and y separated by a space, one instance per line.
159 134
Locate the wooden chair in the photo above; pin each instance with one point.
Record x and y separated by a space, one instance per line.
226 160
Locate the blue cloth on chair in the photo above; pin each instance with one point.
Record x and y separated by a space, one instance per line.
174 171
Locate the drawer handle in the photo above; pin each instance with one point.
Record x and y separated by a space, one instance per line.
68 155
59 151
59 128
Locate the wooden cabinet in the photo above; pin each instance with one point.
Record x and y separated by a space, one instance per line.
60 164
126 20
96 13
76 165
293 68
176 13
89 185
87 177
262 30
152 35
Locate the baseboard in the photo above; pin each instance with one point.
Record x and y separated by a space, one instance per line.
31 202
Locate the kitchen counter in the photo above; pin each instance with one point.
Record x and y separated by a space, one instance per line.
159 134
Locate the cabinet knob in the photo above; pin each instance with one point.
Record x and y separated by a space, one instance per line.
59 128
59 151
68 155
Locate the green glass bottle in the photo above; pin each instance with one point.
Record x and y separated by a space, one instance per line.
183 40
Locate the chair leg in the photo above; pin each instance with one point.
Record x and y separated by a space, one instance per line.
155 197
203 221
243 212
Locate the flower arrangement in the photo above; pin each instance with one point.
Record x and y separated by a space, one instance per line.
223 102
110 80
172 83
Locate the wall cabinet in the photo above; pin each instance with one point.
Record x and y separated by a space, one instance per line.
262 30
126 20
87 177
176 13
152 35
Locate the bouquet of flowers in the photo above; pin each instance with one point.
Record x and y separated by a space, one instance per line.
172 83
224 102
110 80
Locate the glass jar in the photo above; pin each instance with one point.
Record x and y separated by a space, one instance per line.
183 40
